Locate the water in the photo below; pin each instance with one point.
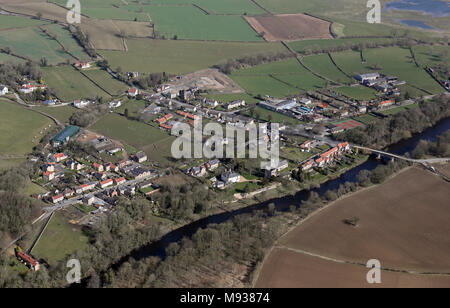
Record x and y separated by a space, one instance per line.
436 8
283 203
416 24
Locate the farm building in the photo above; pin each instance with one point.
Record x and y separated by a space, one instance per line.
65 135
3 90
367 77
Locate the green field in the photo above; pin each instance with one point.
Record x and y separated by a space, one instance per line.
34 44
106 81
189 22
350 62
66 39
322 65
396 110
431 55
265 115
12 22
365 118
61 113
314 45
59 241
70 84
180 57
397 61
18 126
358 92
278 79
8 58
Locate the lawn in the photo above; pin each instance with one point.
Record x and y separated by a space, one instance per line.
70 84
18 126
189 22
106 81
322 65
59 240
34 189
180 57
359 92
34 44
295 154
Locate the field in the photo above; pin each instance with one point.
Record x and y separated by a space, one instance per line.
189 22
33 44
59 240
70 84
278 79
8 58
365 118
359 92
106 81
61 113
290 27
18 126
266 115
12 22
180 57
322 65
431 55
350 62
402 222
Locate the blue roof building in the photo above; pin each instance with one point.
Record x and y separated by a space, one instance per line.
65 135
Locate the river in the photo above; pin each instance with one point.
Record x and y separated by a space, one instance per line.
283 203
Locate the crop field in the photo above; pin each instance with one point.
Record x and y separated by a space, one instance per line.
60 240
18 127
189 22
278 79
396 224
106 81
12 22
398 62
322 65
359 92
290 27
66 39
70 84
34 44
179 57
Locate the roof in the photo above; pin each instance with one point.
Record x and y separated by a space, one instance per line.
120 180
67 132
27 258
59 196
106 182
59 155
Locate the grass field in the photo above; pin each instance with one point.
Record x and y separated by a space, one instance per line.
365 118
322 65
9 163
278 79
358 92
34 44
180 57
12 22
396 110
106 81
8 58
70 84
61 113
66 39
18 126
59 240
431 55
302 46
350 62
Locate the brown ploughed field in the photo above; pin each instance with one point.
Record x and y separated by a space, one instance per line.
290 27
404 223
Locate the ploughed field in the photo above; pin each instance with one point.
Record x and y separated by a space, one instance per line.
403 223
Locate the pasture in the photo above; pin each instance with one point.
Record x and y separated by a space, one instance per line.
180 57
322 65
67 40
359 92
350 62
12 22
61 113
18 126
70 84
106 81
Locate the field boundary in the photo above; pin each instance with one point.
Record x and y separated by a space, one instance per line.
338 67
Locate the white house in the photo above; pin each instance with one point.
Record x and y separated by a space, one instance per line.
80 104
230 177
115 104
3 90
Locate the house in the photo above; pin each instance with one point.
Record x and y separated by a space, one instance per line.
133 92
234 104
27 88
320 162
80 103
336 130
100 175
275 170
164 119
50 102
49 167
197 171
307 165
124 163
386 103
98 167
82 64
111 167
115 104
27 260
230 177
211 103
367 77
57 198
120 181
212 165
49 176
68 193
106 183
59 157
306 146
85 187
305 101
89 200
140 157
343 147
3 90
